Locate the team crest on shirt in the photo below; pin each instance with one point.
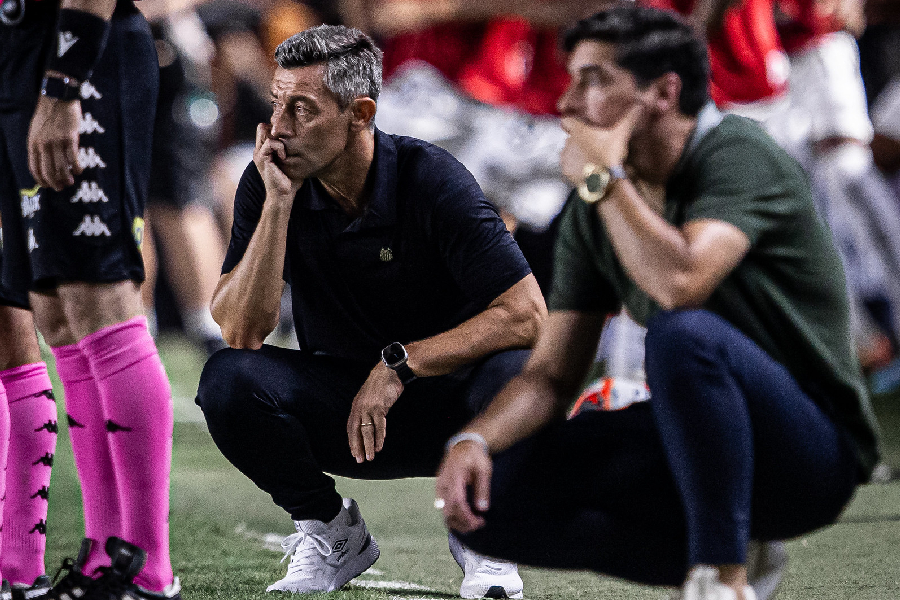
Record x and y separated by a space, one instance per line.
386 255
137 230
31 201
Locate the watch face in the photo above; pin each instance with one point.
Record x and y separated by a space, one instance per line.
593 186
596 182
394 354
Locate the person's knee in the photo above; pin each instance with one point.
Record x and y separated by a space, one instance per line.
227 377
673 331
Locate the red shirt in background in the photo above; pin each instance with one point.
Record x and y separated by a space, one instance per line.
746 58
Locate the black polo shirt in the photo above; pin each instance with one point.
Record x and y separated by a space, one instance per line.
429 252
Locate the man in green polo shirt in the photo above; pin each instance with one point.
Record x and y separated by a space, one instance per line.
759 425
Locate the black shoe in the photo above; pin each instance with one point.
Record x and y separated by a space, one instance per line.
39 589
117 580
75 584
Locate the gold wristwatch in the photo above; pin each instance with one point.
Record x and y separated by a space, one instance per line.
596 181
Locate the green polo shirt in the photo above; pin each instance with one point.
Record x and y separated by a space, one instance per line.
788 294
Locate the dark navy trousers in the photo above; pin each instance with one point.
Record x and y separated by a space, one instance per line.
280 417
729 448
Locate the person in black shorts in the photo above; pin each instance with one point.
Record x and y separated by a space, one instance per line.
411 301
78 89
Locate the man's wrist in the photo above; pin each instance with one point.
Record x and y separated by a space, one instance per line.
468 436
60 87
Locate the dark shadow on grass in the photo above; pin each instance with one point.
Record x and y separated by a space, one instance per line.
870 519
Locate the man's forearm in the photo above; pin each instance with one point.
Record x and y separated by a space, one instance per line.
102 8
513 320
247 300
653 252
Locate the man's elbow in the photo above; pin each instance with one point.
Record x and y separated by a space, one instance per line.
682 292
526 316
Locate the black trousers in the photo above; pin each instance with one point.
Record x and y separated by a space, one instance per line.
729 448
280 417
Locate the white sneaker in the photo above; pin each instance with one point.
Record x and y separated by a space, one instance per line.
703 584
766 562
485 577
325 556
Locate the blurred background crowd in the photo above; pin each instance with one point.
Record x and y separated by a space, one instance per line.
481 78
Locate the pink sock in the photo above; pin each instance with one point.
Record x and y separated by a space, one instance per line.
87 430
32 443
4 444
137 403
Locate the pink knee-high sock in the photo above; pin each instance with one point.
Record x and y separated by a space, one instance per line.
32 443
4 444
137 404
93 460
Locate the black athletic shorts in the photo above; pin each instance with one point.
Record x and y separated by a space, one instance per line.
93 230
184 136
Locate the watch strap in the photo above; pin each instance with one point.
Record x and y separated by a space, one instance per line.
61 88
405 374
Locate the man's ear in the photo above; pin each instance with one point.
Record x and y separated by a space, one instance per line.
363 111
668 93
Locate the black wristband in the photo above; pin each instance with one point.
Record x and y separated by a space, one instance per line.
61 88
405 374
80 42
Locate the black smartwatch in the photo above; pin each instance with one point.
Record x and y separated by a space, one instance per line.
395 357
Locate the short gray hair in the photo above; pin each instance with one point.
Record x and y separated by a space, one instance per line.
352 60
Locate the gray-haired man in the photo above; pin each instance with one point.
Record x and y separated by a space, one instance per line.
411 301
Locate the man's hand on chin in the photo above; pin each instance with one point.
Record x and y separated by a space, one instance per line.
269 152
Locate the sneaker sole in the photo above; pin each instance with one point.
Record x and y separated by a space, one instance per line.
490 591
357 565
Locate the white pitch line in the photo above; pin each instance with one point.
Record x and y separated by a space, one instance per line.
397 585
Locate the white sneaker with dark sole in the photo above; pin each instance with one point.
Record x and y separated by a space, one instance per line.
325 556
485 577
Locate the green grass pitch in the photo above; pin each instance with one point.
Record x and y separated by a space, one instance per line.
219 521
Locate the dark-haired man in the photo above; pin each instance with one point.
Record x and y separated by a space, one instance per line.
759 425
409 296
78 85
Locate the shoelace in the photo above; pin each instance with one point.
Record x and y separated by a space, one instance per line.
72 578
110 584
298 541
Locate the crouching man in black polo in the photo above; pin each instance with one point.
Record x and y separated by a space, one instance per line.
412 303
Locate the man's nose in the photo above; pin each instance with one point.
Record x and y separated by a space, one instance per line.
281 125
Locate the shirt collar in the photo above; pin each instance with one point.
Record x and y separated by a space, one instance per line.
707 119
381 181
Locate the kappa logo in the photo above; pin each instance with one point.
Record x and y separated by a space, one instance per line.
92 227
88 91
66 40
32 241
89 159
50 426
89 192
31 201
44 493
40 527
113 427
46 460
90 125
